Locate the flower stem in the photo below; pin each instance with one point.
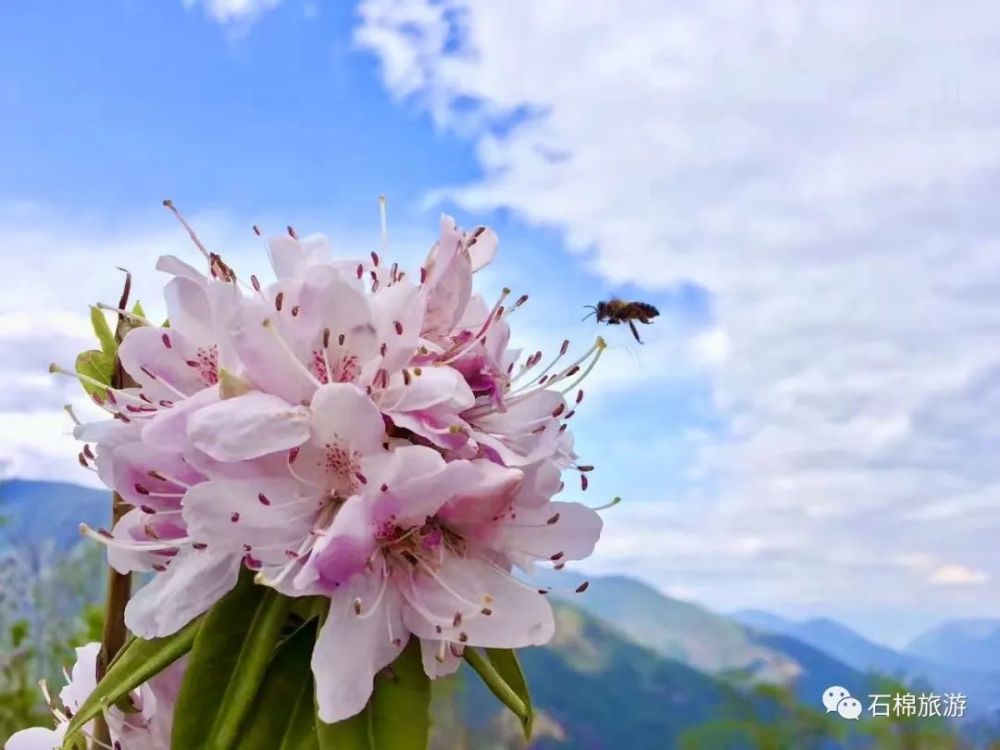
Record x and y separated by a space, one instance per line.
119 585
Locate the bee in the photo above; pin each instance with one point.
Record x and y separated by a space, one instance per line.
615 312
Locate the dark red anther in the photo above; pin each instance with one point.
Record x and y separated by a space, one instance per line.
166 341
295 311
293 454
255 282
264 500
199 546
583 587
398 326
361 270
572 371
579 396
374 258
140 490
256 230
234 517
147 510
423 275
553 520
558 410
279 301
584 482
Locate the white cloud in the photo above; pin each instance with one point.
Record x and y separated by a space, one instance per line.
827 172
234 11
957 575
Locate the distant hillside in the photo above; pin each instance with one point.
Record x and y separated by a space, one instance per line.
32 512
597 690
937 658
836 639
967 644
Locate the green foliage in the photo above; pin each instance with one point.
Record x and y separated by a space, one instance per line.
227 665
282 716
489 671
400 704
508 667
97 367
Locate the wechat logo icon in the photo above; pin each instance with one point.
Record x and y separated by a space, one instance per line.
838 700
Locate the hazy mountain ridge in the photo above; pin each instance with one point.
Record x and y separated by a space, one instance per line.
967 659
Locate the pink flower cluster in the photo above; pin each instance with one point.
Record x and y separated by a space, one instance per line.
347 432
147 728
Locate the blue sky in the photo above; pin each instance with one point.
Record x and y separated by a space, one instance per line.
803 195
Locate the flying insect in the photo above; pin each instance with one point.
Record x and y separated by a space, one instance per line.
615 312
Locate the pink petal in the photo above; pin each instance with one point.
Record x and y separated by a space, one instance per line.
176 267
520 616
83 677
352 648
542 481
484 249
342 552
165 372
140 475
492 492
398 317
429 653
572 536
168 429
193 582
342 411
37 738
417 481
270 515
248 426
435 386
274 356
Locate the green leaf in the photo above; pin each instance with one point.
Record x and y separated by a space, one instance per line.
396 718
350 734
138 662
103 331
283 717
508 666
137 310
227 664
498 685
401 702
98 367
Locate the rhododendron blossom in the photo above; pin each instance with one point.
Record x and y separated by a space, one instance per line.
353 432
146 728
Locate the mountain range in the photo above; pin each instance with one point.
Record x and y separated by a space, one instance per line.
633 668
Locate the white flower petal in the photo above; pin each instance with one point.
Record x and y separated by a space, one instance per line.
194 581
248 426
352 648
